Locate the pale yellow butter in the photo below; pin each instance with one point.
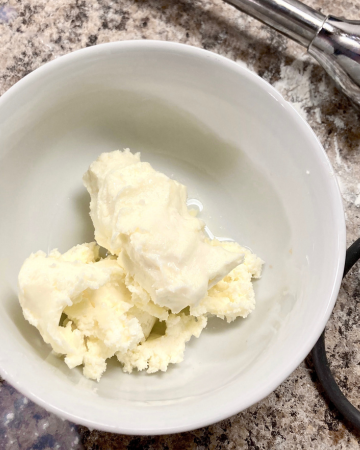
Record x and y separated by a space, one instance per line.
141 215
161 267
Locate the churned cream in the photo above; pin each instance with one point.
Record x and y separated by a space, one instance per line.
161 272
141 215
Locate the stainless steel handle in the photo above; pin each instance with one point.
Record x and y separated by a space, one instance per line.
290 17
333 42
337 48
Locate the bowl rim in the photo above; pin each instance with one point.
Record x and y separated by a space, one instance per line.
307 345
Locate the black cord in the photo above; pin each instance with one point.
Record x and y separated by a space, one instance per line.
352 256
322 365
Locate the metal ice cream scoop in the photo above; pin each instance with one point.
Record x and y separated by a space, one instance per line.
332 41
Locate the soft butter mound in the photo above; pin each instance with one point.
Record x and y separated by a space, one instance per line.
92 295
141 216
90 308
107 313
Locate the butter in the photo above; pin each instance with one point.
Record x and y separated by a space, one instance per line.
234 295
101 317
157 352
141 216
161 269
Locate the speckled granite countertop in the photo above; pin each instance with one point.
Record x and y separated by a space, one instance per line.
296 415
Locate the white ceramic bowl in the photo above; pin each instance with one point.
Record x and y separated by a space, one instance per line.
263 179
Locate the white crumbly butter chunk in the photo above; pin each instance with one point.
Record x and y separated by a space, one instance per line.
141 215
157 352
101 316
90 308
233 296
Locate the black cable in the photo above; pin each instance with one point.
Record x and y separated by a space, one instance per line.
322 365
352 256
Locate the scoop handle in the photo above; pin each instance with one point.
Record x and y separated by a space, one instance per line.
334 42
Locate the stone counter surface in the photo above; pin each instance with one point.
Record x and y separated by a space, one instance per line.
296 415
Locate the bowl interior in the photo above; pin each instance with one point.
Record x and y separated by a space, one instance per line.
261 176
